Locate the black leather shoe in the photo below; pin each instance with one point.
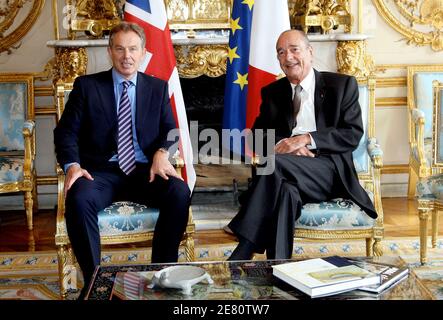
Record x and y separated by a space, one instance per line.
244 251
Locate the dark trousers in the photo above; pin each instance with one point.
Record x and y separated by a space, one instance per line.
273 202
86 198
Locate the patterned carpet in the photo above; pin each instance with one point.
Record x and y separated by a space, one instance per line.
33 276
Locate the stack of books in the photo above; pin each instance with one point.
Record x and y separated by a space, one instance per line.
333 275
390 274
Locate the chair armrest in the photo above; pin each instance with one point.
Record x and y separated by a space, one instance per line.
28 127
417 115
61 233
178 163
417 141
29 145
375 153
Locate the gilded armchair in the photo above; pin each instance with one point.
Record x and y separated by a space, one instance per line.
430 187
341 218
419 82
120 223
17 140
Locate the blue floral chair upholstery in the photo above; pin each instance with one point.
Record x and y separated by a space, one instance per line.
420 106
120 223
17 139
342 218
430 187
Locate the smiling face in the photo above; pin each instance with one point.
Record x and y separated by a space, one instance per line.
295 55
126 53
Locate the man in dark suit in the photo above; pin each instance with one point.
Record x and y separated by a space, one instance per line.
317 122
112 143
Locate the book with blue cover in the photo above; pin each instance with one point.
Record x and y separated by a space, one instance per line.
325 276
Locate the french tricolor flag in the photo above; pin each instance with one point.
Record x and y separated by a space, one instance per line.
269 20
160 62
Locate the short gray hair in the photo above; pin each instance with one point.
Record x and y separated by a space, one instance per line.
127 27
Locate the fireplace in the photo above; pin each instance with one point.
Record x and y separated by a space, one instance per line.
204 98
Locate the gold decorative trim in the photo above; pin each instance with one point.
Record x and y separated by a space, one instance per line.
72 62
391 102
391 82
7 42
43 91
411 17
321 15
50 71
198 14
46 110
395 169
353 59
46 180
92 17
197 60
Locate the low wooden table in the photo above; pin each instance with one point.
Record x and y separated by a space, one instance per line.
243 280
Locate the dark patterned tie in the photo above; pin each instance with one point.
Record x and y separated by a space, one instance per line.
296 103
126 154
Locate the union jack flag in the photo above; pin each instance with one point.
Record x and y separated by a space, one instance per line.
160 62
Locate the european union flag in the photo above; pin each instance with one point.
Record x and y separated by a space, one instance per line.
236 87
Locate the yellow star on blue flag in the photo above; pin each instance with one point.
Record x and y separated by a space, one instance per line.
236 86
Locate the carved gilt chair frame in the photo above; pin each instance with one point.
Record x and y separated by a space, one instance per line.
429 188
419 161
19 156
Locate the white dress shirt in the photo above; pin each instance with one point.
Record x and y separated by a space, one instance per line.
306 115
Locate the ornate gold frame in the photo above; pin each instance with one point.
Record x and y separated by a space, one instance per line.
430 14
20 31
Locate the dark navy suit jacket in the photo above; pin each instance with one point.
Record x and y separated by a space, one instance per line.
338 120
88 129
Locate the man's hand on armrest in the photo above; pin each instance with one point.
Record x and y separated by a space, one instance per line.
296 145
74 172
162 167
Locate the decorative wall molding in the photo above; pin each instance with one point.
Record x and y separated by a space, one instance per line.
395 169
420 21
391 82
10 13
391 102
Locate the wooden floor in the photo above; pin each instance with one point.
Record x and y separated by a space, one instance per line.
400 220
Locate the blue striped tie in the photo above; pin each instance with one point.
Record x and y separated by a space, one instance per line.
126 154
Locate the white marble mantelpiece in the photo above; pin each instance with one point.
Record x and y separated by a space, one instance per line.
206 38
338 37
324 45
77 43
